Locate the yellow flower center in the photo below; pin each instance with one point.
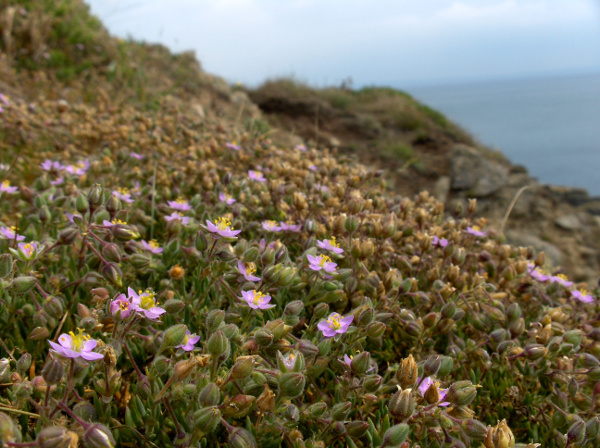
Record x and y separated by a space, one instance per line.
333 242
584 292
148 300
258 297
562 276
118 221
324 259
250 269
13 228
270 224
123 191
181 201
77 340
153 244
476 228
227 196
223 223
334 321
123 305
6 183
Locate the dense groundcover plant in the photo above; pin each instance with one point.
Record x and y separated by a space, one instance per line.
198 293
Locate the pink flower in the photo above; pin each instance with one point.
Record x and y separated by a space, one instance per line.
121 304
257 175
135 155
301 148
437 241
78 169
335 324
11 233
6 188
233 145
184 219
561 279
152 246
312 167
180 204
475 230
321 188
224 197
49 165
76 346
271 226
145 303
114 222
189 341
289 361
289 226
71 217
58 181
28 250
4 99
247 270
123 194
321 262
537 273
427 383
583 296
222 227
331 245
256 300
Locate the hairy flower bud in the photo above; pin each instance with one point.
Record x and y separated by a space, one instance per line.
240 438
6 265
395 435
214 319
576 433
98 436
173 337
210 395
23 284
24 362
402 404
461 393
54 437
291 384
307 348
432 365
242 368
340 411
81 204
357 429
95 197
4 370
68 235
376 329
53 371
361 363
111 252
207 419
217 344
112 273
263 337
474 429
316 410
113 205
372 383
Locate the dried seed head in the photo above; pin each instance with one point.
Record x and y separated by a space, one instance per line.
408 372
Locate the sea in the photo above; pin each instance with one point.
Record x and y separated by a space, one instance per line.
551 124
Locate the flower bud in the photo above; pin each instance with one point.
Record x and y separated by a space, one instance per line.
316 410
446 366
395 435
23 284
263 337
24 362
351 224
4 370
240 438
85 411
207 419
218 344
474 429
576 433
68 235
123 232
242 368
53 371
361 363
402 404
6 265
53 306
431 366
112 273
291 384
372 383
173 337
592 428
81 204
214 319
324 347
461 393
111 252
340 411
140 261
210 395
238 406
376 329
500 436
98 436
54 437
407 373
320 311
113 205
161 364
534 351
294 308
277 327
95 197
184 368
357 429
307 348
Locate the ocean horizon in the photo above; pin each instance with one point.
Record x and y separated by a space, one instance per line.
549 124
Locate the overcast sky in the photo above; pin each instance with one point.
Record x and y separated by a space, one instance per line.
391 42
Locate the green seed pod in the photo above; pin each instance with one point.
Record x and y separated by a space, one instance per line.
161 364
320 311
449 310
95 196
402 404
307 348
173 306
240 438
24 362
85 411
534 351
201 242
361 363
23 284
513 312
351 224
324 347
250 255
111 252
576 433
357 429
432 365
218 344
113 205
291 384
316 410
6 265
294 308
340 411
263 337
54 437
395 435
214 319
446 366
81 204
98 436
372 383
461 393
292 413
173 337
210 395
242 368
474 429
277 327
414 329
589 361
592 428
207 419
68 235
112 273
4 370
123 232
54 307
44 214
573 337
376 329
